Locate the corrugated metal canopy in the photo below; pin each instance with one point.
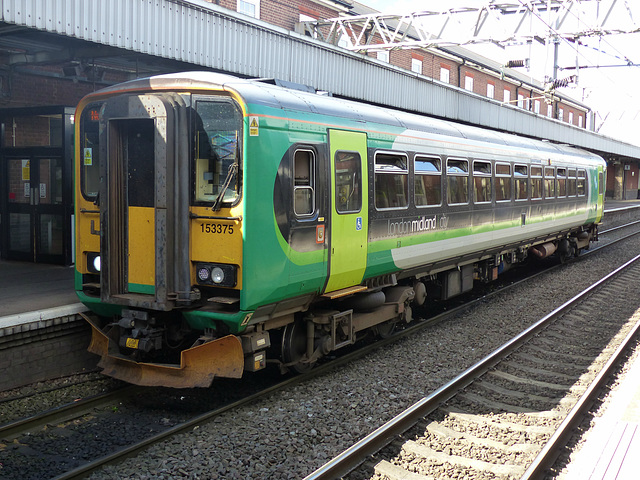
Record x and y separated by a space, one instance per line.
202 34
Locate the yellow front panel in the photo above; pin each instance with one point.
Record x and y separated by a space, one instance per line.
217 240
87 221
142 249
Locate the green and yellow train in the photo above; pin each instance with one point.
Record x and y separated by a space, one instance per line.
224 223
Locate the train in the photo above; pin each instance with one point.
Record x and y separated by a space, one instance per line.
225 224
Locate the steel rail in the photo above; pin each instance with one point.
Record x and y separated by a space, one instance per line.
375 441
64 412
547 456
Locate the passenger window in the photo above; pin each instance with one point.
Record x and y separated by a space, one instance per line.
481 182
549 182
348 182
218 128
457 181
304 182
571 183
562 182
428 189
536 183
391 181
503 182
581 183
522 182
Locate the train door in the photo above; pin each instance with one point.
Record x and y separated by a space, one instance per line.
131 205
349 210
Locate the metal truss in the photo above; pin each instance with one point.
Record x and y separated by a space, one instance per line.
490 21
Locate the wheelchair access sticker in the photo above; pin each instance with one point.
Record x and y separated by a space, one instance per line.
358 223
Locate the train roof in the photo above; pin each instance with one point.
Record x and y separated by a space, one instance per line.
263 93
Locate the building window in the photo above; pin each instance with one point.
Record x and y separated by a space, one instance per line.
307 18
550 111
249 7
571 118
580 121
520 100
561 114
416 64
491 90
468 82
507 96
383 55
536 106
445 74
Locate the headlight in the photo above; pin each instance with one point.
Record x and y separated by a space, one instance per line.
216 274
203 274
94 263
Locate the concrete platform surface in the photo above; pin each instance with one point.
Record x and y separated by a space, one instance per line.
612 449
29 287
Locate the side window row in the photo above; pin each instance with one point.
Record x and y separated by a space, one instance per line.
501 181
391 182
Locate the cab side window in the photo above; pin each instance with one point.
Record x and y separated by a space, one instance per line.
304 182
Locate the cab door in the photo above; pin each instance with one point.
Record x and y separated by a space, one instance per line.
349 209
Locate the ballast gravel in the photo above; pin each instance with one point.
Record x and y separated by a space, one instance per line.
291 433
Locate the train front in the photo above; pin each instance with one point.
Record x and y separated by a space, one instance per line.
159 230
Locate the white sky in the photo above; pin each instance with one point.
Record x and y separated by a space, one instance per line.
612 92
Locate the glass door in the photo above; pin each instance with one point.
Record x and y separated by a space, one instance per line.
35 209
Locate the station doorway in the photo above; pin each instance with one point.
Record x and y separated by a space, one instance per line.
36 188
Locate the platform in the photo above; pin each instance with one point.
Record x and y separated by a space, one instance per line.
612 446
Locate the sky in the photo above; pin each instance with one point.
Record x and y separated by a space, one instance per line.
611 91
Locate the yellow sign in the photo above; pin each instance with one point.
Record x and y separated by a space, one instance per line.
88 156
26 171
253 127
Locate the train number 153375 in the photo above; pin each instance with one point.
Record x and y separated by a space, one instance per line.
217 228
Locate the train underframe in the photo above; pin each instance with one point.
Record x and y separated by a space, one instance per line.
153 348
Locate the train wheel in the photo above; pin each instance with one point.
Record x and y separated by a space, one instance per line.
385 330
294 346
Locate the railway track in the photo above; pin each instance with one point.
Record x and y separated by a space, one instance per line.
508 415
118 452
